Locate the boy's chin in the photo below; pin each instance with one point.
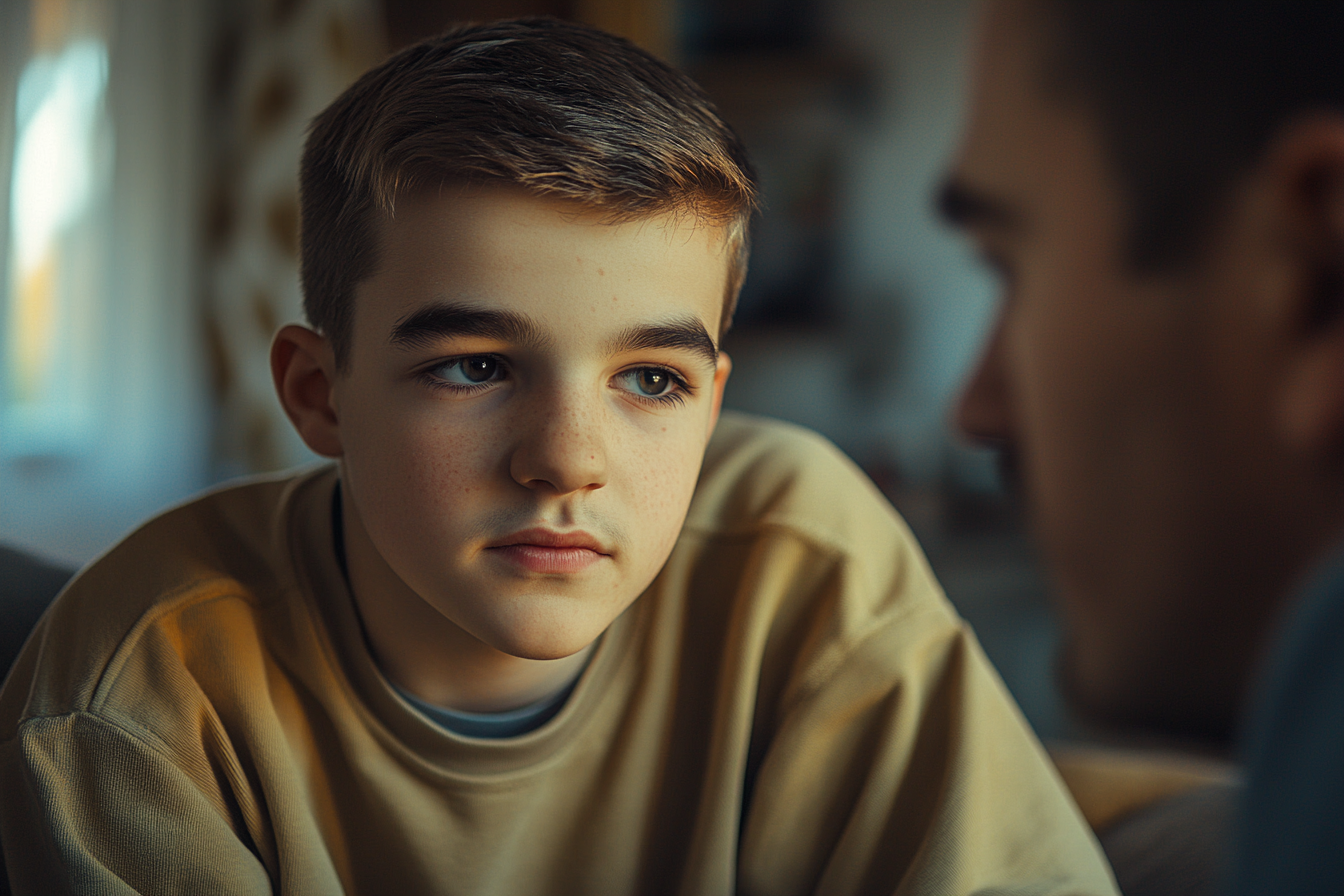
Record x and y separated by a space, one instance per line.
546 652
543 639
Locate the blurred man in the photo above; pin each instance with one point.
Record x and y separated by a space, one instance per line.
1160 188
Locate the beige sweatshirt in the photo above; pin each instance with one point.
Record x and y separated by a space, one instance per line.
792 707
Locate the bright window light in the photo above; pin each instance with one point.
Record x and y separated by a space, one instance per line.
56 183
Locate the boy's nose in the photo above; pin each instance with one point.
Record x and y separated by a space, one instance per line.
562 448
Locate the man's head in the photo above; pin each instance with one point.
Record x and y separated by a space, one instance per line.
1160 187
521 243
560 109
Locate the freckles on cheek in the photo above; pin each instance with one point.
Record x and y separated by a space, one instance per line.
663 488
439 462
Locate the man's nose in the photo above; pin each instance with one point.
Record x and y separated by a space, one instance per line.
562 445
983 413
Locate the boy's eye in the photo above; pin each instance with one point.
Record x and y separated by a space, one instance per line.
470 371
655 383
649 381
652 381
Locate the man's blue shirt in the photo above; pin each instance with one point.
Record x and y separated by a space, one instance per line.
1291 836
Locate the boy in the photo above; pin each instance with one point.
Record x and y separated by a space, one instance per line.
425 669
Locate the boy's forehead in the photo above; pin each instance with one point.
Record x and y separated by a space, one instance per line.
466 208
552 264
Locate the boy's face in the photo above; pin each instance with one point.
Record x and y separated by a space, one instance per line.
528 398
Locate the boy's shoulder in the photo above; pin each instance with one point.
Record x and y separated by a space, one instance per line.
224 555
775 495
238 532
763 474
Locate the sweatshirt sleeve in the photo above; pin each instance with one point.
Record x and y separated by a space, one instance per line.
89 808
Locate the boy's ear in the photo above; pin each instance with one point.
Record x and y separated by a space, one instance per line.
303 367
722 368
1312 402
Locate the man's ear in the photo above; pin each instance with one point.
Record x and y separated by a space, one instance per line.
722 367
1309 157
303 367
1311 409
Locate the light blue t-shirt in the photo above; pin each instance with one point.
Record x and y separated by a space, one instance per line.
513 723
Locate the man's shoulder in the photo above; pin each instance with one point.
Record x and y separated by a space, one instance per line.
205 565
1293 808
762 474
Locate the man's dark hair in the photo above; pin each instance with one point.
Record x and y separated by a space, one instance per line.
1188 95
560 109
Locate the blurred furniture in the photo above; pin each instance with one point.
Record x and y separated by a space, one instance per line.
1164 819
27 585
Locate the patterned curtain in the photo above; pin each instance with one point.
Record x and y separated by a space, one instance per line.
274 64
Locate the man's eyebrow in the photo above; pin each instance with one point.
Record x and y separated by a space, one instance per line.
685 333
963 205
425 326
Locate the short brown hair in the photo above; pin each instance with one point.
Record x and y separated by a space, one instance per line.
561 109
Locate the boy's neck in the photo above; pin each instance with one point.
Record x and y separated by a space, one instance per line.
426 654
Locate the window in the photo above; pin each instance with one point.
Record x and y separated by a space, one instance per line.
103 410
58 196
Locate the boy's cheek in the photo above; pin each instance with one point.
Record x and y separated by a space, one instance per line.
394 431
661 467
665 494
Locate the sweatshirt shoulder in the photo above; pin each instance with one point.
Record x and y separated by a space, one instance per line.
790 531
762 473
237 532
222 552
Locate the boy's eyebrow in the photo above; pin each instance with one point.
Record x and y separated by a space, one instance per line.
684 333
426 325
963 205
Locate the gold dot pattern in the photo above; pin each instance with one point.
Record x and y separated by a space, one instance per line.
274 64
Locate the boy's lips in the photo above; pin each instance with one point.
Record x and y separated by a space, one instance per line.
548 552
